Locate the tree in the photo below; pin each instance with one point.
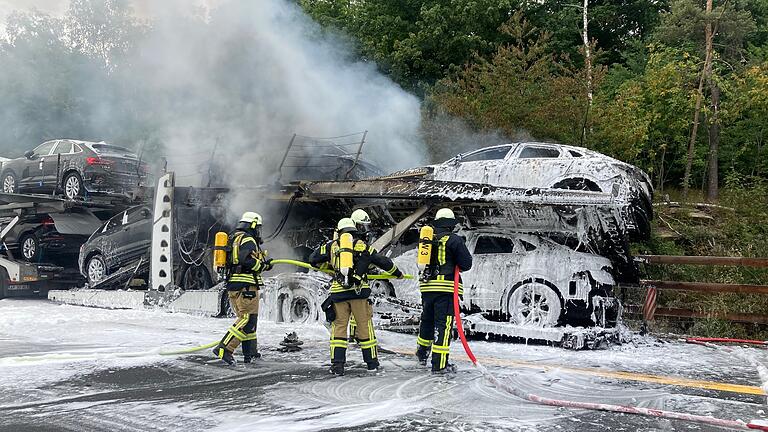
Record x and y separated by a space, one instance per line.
523 87
418 42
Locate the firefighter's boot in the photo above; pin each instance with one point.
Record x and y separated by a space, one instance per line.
337 369
250 353
224 354
448 369
422 354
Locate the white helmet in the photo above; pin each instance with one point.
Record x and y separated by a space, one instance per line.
252 218
445 213
346 225
361 217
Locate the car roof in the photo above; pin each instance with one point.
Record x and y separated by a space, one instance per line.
543 143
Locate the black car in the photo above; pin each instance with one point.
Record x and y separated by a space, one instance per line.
50 238
74 167
121 240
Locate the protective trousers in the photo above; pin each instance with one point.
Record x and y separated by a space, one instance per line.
245 304
362 311
435 328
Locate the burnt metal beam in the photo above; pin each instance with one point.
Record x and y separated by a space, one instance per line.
704 260
421 189
396 231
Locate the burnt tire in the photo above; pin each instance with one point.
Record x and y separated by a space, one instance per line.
10 183
72 186
29 247
95 269
195 277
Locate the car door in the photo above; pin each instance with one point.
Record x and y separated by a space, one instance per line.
481 166
57 160
31 175
538 165
136 234
494 260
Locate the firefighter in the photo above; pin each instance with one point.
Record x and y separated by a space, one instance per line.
245 263
363 224
437 318
351 259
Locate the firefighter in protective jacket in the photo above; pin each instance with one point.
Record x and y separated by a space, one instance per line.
437 318
350 292
245 263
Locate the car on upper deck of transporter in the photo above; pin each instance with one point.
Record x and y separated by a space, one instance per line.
549 165
74 167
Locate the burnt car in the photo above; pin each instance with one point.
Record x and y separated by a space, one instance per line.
48 238
75 168
527 279
550 165
125 241
119 241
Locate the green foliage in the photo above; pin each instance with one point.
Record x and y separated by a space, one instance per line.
417 42
522 86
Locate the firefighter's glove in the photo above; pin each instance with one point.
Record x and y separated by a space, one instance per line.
397 273
268 265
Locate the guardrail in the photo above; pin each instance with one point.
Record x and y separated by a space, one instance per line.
649 309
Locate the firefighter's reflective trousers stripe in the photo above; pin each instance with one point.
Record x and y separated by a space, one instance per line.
440 284
436 327
245 304
362 311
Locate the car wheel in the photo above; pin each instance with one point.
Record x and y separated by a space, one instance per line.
30 247
95 269
298 307
195 278
534 304
73 186
9 183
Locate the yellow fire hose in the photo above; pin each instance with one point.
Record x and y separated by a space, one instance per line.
310 267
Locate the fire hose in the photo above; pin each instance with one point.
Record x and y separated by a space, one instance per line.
725 340
329 271
626 409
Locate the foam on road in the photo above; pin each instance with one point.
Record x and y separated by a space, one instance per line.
96 389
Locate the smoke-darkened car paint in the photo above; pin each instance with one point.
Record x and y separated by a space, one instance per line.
120 240
100 168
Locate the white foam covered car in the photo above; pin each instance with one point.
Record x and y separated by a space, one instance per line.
548 165
529 280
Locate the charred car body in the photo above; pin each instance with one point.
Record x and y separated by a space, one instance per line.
75 168
529 280
557 166
120 248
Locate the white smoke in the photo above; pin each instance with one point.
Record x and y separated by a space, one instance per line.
246 75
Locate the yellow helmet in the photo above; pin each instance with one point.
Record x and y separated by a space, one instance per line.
251 218
346 225
361 217
445 213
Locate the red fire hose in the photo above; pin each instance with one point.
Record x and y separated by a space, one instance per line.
726 340
626 409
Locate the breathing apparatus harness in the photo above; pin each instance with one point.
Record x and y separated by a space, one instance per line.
227 262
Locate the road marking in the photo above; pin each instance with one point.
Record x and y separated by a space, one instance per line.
622 375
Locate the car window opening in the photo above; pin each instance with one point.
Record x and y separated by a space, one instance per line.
494 245
490 154
539 152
